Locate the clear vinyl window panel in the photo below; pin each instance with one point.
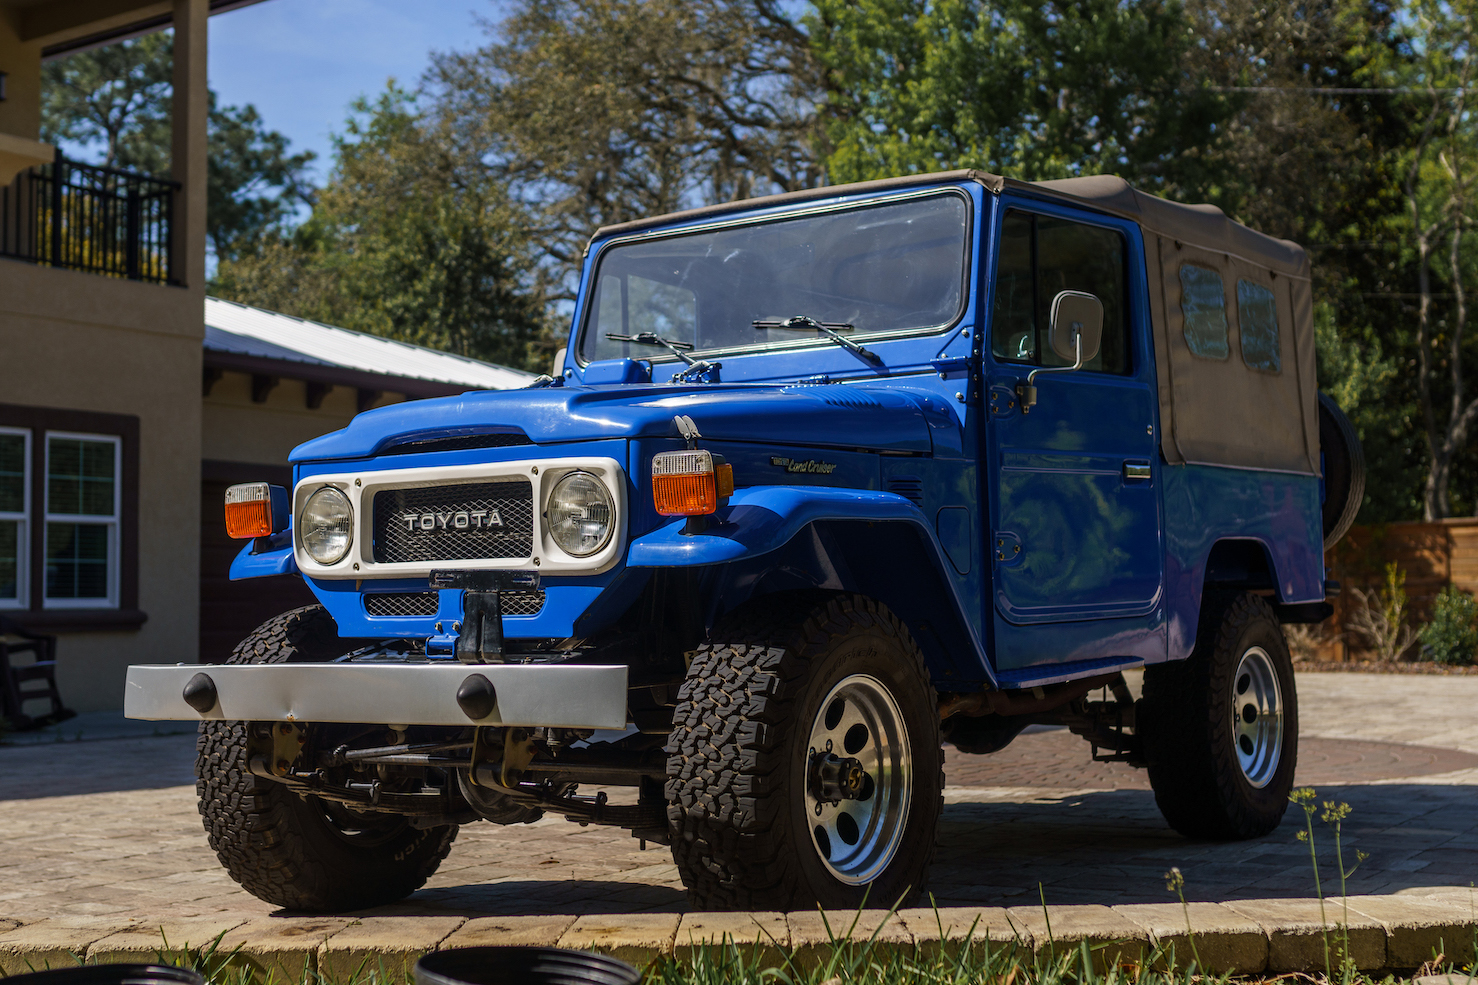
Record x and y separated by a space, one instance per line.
15 488
885 268
1203 304
82 513
1257 317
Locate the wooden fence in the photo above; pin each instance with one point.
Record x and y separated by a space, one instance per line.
1433 555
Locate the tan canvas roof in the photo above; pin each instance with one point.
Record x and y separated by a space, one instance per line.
1223 409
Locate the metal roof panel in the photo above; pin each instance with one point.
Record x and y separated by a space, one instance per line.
242 329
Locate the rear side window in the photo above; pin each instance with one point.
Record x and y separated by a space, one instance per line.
1257 317
1203 303
1039 257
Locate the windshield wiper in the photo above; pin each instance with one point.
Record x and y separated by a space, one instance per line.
806 323
695 367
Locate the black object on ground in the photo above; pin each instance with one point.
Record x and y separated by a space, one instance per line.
522 966
13 696
111 974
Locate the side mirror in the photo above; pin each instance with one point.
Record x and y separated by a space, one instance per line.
1074 333
1075 314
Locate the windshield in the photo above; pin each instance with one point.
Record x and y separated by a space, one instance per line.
880 269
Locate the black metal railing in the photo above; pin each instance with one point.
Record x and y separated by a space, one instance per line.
92 218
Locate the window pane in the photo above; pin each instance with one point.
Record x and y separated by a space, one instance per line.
665 309
1257 317
79 476
76 561
12 473
1013 329
1203 302
892 267
1072 256
10 582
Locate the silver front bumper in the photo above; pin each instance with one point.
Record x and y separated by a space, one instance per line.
557 695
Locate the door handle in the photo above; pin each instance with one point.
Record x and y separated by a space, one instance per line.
1136 470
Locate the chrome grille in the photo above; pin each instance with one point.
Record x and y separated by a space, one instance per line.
400 603
455 531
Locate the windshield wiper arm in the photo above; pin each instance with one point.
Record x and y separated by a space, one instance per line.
806 323
678 349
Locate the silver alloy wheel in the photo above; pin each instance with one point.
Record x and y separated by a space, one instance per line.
1257 716
858 836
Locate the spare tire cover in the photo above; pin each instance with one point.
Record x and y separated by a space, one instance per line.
1344 470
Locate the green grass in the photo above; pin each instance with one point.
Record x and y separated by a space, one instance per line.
850 959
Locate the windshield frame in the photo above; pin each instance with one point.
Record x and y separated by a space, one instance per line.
817 341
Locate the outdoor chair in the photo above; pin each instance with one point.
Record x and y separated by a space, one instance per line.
13 694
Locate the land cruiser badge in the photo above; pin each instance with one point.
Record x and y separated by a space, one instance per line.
811 467
451 520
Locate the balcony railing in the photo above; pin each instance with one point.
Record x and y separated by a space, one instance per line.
92 218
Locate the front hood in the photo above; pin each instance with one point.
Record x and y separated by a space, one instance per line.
878 419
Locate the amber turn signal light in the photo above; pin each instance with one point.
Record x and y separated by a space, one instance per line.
690 483
255 509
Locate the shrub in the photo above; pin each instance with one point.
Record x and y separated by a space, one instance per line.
1378 616
1452 635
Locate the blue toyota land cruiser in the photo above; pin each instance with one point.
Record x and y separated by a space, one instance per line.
821 481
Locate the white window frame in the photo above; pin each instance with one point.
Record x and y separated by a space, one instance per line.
112 523
22 598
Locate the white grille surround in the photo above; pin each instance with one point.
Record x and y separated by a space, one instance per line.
546 557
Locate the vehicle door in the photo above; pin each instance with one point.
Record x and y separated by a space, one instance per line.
1074 511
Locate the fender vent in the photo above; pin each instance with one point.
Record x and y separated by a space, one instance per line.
455 442
910 487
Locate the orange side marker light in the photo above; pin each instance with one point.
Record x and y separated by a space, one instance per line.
255 509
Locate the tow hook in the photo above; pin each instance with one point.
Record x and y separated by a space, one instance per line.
833 779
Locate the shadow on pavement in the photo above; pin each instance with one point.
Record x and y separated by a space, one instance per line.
1114 847
65 769
528 896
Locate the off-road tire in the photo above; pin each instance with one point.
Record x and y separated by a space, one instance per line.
736 757
1188 730
280 847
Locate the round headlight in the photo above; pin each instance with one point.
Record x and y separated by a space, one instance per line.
326 526
580 514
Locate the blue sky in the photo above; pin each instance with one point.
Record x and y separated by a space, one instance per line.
301 62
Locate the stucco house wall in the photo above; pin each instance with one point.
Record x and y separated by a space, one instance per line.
75 341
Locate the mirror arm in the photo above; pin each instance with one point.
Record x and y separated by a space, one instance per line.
1027 391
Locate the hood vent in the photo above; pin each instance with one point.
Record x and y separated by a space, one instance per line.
846 397
455 442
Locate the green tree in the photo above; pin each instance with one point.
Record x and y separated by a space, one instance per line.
1028 89
1442 206
118 98
600 111
410 239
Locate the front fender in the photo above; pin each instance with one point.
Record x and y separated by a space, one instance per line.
270 562
878 544
762 519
